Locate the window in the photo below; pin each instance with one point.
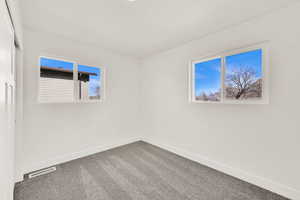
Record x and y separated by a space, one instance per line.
243 75
56 80
89 82
65 81
232 77
208 80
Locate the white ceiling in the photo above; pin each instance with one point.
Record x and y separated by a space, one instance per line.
142 27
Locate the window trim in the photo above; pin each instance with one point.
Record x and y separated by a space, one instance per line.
265 74
75 70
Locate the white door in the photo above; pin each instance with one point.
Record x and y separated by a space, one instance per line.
7 104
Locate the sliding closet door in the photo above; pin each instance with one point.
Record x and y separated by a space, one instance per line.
7 104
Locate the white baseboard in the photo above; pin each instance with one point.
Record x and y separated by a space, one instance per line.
72 156
240 174
19 176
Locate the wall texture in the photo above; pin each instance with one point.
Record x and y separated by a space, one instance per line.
54 133
260 142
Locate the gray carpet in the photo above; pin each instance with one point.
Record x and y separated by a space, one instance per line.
137 171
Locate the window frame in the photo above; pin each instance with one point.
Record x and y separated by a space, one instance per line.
265 74
75 81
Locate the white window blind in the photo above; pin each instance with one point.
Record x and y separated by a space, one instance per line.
56 83
56 90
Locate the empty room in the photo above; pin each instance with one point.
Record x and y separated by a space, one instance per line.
149 100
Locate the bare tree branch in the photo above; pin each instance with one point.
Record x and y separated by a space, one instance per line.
241 80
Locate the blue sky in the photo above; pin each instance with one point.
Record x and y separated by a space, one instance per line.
208 73
208 76
56 63
94 80
251 59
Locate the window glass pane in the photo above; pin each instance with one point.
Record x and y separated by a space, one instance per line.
208 80
89 82
243 75
56 80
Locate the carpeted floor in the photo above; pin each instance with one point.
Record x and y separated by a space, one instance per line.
137 171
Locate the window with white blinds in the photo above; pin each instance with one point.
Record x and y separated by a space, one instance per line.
64 81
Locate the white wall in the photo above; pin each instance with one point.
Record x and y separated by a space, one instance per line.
54 133
19 116
259 143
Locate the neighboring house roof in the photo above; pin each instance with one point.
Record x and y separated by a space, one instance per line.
59 73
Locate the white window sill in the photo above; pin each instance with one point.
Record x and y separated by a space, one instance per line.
71 102
232 102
